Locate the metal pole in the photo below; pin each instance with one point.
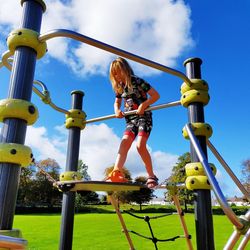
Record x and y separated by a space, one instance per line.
132 112
212 180
68 205
202 203
88 40
14 130
228 169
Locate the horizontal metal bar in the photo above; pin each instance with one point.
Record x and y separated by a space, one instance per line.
160 106
90 41
228 169
170 185
212 180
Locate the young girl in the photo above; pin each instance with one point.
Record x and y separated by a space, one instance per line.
134 91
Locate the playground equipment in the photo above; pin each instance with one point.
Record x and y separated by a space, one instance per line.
27 45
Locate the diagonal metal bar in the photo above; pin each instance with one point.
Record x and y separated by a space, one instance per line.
217 191
228 169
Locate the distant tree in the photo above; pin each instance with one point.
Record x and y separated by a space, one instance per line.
144 195
246 174
44 191
25 193
178 176
82 168
85 197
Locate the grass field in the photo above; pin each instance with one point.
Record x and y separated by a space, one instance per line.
103 231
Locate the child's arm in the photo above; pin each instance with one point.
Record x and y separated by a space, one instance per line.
154 96
117 108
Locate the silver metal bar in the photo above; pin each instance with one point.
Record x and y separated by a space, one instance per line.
6 60
169 185
236 236
51 104
244 241
156 107
215 186
232 240
228 169
79 37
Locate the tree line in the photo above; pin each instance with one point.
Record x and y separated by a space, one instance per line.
36 187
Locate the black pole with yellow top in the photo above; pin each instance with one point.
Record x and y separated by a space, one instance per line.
198 98
74 123
16 111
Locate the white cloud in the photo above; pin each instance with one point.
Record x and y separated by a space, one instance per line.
158 30
43 146
98 149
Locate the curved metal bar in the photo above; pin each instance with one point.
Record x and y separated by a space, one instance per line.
160 106
6 59
79 37
228 169
216 188
50 103
41 84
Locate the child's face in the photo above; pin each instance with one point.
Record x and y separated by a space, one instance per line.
119 76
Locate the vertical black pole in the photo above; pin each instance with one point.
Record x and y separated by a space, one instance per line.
14 130
68 206
203 206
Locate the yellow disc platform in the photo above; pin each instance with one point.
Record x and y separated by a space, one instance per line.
75 186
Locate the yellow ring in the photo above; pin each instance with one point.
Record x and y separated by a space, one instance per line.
196 168
197 182
194 96
20 109
200 129
197 84
16 154
28 38
70 176
75 118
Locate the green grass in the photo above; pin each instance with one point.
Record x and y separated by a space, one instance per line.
103 231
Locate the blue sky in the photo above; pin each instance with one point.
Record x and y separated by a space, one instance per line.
164 31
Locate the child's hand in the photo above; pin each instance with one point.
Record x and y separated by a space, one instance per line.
141 109
119 113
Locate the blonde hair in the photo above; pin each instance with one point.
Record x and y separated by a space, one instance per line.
120 65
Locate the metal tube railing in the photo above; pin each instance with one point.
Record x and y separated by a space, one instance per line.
244 241
228 169
156 107
6 59
217 191
236 236
90 41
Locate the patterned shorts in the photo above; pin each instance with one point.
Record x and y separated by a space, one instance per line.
139 125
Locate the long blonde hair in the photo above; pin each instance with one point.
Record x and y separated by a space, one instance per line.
118 65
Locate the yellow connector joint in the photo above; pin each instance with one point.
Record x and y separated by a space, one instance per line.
15 153
28 38
75 118
19 109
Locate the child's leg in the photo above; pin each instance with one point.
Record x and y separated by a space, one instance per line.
143 151
125 145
